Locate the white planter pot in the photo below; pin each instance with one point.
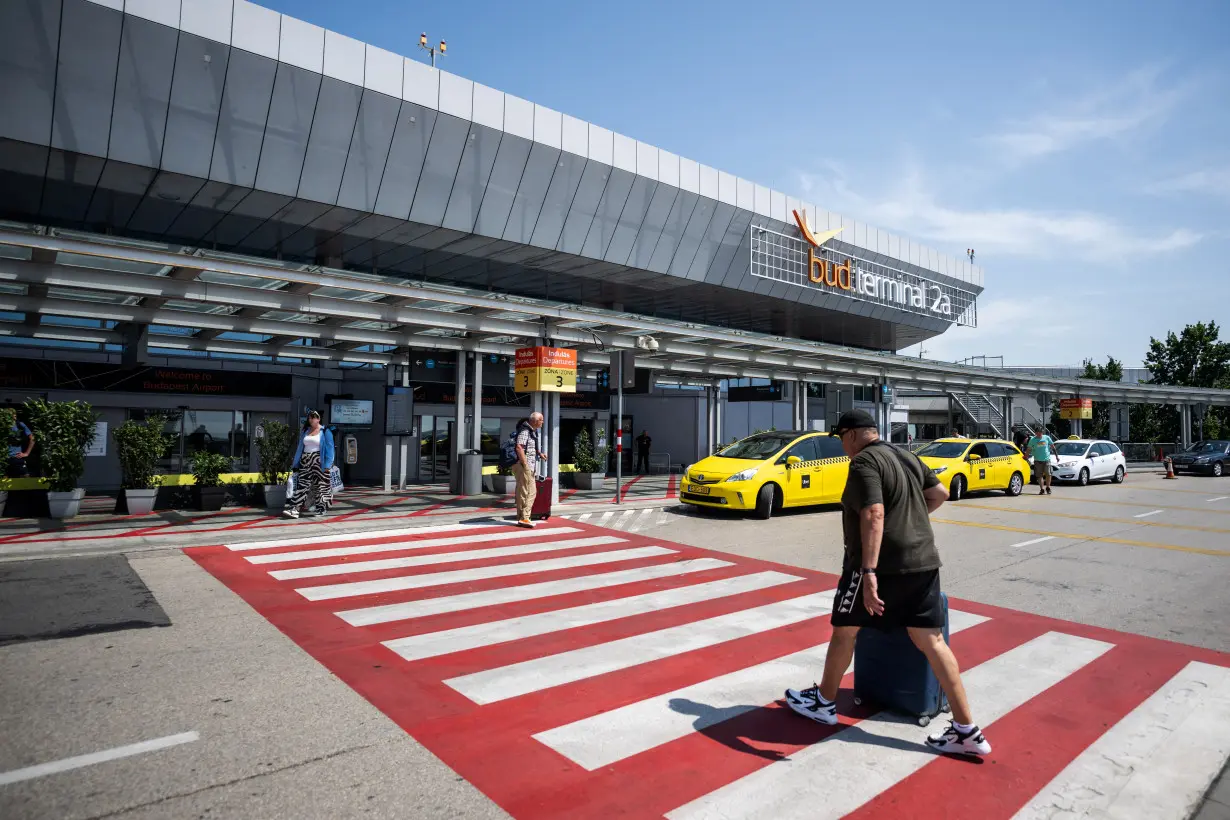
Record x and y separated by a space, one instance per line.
65 505
140 502
589 481
503 484
275 496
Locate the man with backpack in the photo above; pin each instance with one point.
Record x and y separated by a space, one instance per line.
890 576
522 453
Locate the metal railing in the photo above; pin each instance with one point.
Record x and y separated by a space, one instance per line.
982 411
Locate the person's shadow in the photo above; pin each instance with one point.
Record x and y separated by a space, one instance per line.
748 729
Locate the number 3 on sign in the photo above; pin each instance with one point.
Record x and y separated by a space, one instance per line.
559 381
525 379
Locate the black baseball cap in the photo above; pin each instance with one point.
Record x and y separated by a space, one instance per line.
853 420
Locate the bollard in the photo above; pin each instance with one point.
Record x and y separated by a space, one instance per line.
1169 468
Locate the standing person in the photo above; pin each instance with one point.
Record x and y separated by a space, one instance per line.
1040 446
529 452
890 576
313 461
21 444
643 442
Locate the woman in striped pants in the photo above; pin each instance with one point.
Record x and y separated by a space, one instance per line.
313 461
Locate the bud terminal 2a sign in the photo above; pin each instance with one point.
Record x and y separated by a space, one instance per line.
922 296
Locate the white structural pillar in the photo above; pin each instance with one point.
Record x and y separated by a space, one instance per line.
476 413
553 405
388 441
718 435
405 444
1185 425
805 421
459 424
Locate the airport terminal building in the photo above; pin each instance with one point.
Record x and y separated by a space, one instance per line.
228 214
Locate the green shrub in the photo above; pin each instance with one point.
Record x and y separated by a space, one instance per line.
275 452
139 445
208 468
588 458
63 430
8 418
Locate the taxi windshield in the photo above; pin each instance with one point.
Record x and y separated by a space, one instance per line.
944 449
757 448
1071 448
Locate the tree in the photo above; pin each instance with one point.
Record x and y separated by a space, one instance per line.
1194 358
1112 371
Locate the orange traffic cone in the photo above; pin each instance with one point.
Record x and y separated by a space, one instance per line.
1169 468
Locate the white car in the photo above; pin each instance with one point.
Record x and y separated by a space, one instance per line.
1085 460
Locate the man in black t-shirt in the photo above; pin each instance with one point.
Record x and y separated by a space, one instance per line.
890 576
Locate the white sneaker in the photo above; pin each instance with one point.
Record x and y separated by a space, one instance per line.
810 704
955 742
290 513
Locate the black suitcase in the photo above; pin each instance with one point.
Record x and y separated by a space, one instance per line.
541 510
891 672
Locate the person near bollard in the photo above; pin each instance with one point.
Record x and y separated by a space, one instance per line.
643 443
21 444
311 469
525 471
1041 446
890 577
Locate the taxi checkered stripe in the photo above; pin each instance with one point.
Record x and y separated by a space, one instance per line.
818 462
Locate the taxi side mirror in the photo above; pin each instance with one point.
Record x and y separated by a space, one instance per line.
793 461
973 457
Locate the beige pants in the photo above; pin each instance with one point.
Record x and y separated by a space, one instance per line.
527 490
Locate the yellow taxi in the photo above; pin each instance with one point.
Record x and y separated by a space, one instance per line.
768 471
973 465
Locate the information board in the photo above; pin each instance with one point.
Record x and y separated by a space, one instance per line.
351 412
546 369
1076 408
399 411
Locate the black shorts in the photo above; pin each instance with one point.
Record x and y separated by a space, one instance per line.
909 600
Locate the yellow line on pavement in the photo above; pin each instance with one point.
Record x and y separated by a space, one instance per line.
1083 500
1103 539
1177 490
1137 521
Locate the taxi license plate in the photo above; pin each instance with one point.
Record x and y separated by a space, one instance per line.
694 488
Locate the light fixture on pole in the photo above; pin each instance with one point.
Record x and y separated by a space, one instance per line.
442 50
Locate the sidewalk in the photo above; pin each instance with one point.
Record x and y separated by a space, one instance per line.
354 510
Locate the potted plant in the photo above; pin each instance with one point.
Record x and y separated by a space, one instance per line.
588 461
274 447
207 468
65 429
139 445
503 483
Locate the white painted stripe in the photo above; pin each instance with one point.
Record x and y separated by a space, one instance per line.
401 546
1035 541
629 730
357 536
585 516
80 761
505 682
528 592
1146 515
606 516
1220 498
641 520
834 777
434 579
442 558
1156 763
429 645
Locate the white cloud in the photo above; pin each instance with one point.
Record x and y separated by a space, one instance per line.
914 209
1131 104
1214 181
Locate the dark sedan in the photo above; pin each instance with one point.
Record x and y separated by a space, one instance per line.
1212 457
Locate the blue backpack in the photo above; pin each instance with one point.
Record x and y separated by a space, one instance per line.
508 453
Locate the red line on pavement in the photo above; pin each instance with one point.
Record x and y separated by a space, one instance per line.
567 494
628 484
369 508
1034 742
672 486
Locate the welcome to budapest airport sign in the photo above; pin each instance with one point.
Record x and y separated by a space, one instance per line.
804 262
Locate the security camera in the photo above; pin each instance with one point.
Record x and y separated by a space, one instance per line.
646 343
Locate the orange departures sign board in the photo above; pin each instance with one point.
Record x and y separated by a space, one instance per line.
546 369
1076 408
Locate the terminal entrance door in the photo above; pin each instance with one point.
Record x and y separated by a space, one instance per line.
435 448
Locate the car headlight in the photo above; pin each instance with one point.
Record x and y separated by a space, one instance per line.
745 475
939 470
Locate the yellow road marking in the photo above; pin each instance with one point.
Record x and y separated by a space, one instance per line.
966 504
1177 490
1103 539
1136 504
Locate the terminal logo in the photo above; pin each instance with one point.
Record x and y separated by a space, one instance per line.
924 295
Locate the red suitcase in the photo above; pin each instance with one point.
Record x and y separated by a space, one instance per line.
541 510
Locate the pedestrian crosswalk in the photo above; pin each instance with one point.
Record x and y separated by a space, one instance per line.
586 669
634 520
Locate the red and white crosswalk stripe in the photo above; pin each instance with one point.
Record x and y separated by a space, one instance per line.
575 671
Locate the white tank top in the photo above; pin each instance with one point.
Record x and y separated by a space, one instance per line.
311 444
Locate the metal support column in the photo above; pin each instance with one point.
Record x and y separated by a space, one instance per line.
405 444
1008 416
619 435
806 421
718 435
1185 425
553 406
476 412
459 424
388 441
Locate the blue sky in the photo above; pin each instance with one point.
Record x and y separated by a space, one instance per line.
1082 149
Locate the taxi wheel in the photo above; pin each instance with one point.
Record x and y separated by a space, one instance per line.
1083 480
766 501
1118 479
956 490
1016 485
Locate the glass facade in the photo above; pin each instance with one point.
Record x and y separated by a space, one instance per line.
226 432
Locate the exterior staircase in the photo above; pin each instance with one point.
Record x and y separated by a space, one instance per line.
983 412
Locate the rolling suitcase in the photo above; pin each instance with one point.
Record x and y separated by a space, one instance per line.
541 510
891 672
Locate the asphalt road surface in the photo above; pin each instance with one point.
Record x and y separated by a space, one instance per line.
260 700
